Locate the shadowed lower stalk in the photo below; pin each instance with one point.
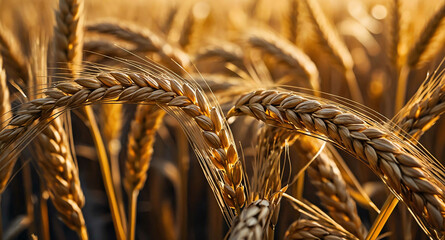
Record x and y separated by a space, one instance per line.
106 173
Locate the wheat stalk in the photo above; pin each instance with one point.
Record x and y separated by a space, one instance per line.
332 44
144 39
288 53
393 49
403 173
139 88
61 176
310 229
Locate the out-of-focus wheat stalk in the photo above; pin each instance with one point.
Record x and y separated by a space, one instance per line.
5 114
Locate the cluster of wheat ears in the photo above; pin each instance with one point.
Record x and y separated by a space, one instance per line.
102 101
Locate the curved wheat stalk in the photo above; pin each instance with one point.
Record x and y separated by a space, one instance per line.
287 53
405 174
140 148
310 229
225 51
61 176
332 44
144 39
164 90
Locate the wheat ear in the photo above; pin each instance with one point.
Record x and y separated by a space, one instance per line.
310 229
61 176
140 148
68 36
332 190
405 174
253 221
420 47
5 114
332 44
140 88
144 39
423 110
224 51
288 53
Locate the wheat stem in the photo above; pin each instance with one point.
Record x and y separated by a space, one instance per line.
385 212
106 174
132 203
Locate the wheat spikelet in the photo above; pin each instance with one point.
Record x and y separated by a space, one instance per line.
138 88
253 221
144 39
418 51
403 173
105 48
140 145
310 229
288 53
68 36
332 190
424 109
331 42
61 176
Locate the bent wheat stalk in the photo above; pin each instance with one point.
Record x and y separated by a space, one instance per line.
164 90
405 174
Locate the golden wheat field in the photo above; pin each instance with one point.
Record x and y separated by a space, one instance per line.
230 119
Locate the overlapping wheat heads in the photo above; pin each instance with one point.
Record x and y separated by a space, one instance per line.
405 174
162 89
253 221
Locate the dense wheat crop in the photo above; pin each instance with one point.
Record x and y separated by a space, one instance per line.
202 119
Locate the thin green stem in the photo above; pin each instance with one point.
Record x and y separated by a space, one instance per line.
106 174
386 211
